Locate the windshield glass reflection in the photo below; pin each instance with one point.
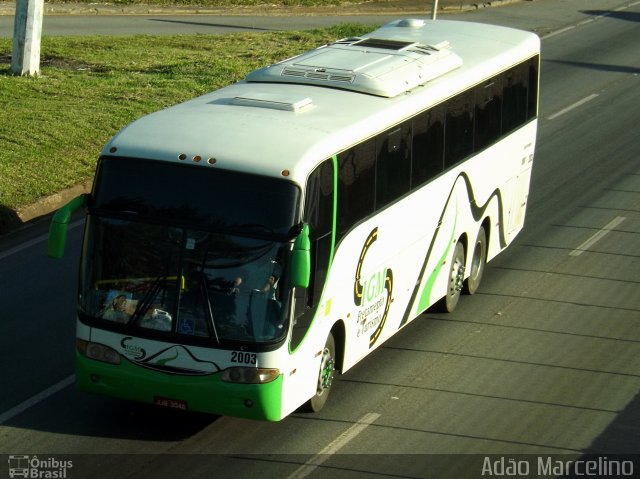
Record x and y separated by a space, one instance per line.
184 282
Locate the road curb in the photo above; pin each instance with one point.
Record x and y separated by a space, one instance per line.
11 220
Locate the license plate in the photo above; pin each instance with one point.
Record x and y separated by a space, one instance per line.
170 403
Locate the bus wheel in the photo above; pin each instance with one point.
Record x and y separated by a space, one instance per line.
478 262
325 377
455 281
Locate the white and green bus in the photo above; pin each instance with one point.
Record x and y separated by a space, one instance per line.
242 247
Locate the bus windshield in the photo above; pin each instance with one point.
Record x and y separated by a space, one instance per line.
167 262
208 198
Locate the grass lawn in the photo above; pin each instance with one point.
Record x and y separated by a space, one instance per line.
52 128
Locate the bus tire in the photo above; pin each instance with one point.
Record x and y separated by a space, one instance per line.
478 263
455 281
325 376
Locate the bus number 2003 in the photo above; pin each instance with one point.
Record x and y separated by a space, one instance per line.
244 358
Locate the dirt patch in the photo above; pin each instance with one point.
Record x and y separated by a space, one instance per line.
63 63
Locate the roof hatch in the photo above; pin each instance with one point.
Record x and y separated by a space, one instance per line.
380 66
275 102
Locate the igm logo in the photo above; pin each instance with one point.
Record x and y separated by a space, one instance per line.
373 296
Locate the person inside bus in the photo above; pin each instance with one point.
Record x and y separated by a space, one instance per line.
274 320
270 286
225 301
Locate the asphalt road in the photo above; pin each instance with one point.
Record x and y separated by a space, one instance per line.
544 360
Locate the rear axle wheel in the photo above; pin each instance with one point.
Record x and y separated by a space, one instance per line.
478 262
455 281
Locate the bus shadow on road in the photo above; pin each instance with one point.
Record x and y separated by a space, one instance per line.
616 448
622 435
598 66
9 220
619 15
76 414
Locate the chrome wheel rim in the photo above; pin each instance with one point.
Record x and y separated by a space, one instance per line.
327 368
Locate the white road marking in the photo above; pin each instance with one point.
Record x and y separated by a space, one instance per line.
597 236
334 446
587 21
571 107
32 401
558 32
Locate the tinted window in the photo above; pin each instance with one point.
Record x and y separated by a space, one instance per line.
515 86
379 171
459 128
208 197
319 215
319 200
393 166
356 184
532 106
428 146
488 113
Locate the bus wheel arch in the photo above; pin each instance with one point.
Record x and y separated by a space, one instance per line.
339 336
477 259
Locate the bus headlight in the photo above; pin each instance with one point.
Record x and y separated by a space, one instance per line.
249 375
96 351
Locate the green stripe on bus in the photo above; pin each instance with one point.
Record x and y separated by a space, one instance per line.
425 296
334 160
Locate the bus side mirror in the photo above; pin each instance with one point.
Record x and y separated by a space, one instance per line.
301 260
59 226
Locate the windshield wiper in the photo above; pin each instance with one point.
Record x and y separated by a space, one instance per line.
204 291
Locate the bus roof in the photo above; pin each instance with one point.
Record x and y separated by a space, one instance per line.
292 115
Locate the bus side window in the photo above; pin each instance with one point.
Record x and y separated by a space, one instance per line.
356 184
515 85
318 214
458 130
488 113
428 146
393 165
532 105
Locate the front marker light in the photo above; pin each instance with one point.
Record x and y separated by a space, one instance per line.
249 375
97 351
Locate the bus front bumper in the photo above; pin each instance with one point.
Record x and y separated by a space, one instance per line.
207 394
